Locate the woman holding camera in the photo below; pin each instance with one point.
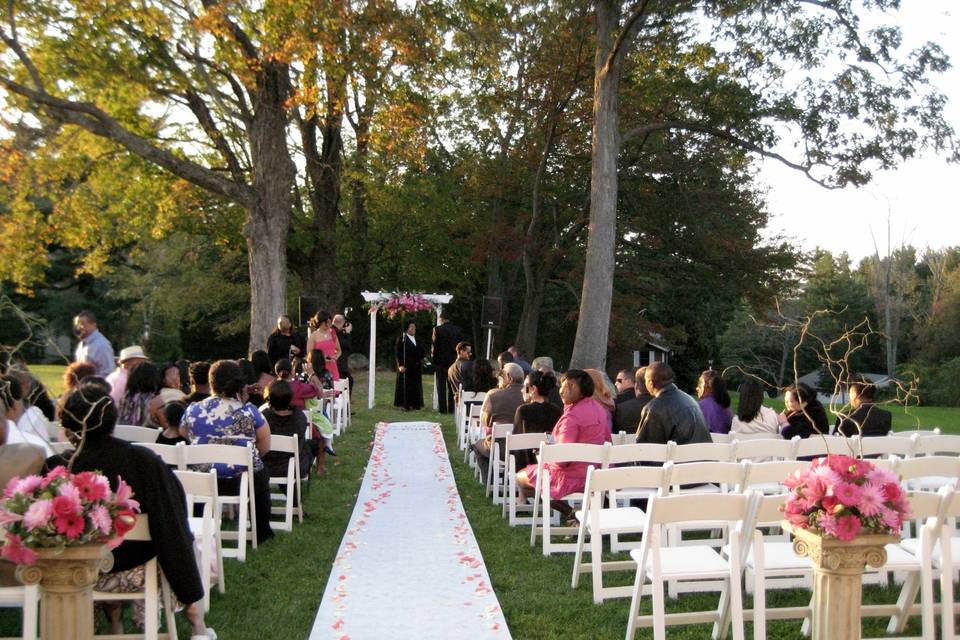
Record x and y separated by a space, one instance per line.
322 344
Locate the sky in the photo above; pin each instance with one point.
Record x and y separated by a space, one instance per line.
921 198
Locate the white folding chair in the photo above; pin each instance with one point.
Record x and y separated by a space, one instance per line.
495 476
201 489
763 449
622 437
289 483
594 454
343 386
517 442
133 433
598 521
768 477
884 446
474 431
703 452
929 473
722 438
939 445
172 454
949 545
155 591
644 454
242 458
657 563
920 433
26 598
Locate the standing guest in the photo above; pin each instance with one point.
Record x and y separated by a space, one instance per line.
170 416
446 336
602 390
803 415
483 378
526 366
75 373
344 329
20 426
323 348
408 393
285 342
626 386
199 382
714 401
460 373
143 388
584 420
89 409
224 418
867 420
672 414
286 420
535 415
752 416
93 346
130 358
626 415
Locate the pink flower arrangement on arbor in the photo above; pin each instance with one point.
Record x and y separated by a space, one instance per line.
405 303
842 497
63 509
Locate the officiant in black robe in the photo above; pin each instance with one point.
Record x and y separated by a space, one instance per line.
409 390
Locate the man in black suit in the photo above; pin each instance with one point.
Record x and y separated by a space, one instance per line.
630 401
871 420
446 335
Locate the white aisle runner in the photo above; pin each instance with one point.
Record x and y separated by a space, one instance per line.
408 565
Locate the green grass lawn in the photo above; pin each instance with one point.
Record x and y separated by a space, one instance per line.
276 593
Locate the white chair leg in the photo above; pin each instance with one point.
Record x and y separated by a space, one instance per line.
635 604
908 595
596 566
578 555
659 610
31 609
151 614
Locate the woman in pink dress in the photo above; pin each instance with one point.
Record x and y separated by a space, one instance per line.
322 344
584 420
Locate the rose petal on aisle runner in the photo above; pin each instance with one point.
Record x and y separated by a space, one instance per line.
408 565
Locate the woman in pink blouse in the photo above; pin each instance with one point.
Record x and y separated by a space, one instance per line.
584 420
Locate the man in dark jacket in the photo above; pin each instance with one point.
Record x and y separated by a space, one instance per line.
446 335
630 401
672 414
867 419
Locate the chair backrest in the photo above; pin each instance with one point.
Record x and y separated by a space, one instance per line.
524 441
133 433
219 453
722 438
697 507
574 452
817 446
703 451
500 430
141 530
622 437
283 444
920 433
948 444
759 435
924 504
171 454
885 446
766 473
60 448
929 467
614 479
640 452
769 509
723 473
769 448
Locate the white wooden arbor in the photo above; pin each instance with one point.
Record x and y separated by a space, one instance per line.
375 299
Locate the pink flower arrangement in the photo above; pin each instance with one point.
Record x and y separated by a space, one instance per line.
63 509
842 497
405 303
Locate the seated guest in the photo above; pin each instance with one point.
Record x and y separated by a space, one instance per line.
199 382
263 369
803 415
603 391
460 373
499 406
867 419
170 416
20 426
75 373
318 446
584 420
672 415
285 420
625 385
130 358
483 376
35 394
505 358
220 419
17 459
526 366
170 388
535 415
545 365
626 415
752 416
714 401
143 392
89 409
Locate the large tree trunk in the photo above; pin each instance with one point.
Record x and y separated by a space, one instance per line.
593 325
269 215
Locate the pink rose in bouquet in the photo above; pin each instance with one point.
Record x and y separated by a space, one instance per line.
63 509
842 496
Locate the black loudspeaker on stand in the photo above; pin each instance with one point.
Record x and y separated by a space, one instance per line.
491 316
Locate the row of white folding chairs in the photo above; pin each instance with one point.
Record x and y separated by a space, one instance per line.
467 415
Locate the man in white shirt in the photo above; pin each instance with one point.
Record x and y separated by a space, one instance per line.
94 346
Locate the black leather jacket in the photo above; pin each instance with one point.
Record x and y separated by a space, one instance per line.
673 415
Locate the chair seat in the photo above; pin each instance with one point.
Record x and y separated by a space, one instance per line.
930 483
619 520
688 562
900 559
913 546
777 556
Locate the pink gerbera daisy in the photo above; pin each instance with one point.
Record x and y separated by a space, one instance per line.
847 493
871 499
847 527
